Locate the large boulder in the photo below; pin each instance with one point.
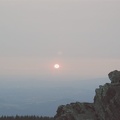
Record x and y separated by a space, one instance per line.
106 104
76 111
114 76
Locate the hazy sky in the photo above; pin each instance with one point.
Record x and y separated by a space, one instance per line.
83 36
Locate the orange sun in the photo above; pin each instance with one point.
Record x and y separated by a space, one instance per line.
56 66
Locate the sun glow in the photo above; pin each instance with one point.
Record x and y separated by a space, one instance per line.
56 66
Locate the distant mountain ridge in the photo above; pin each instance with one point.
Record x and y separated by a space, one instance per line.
106 105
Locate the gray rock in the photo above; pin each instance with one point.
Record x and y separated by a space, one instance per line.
76 111
114 76
106 104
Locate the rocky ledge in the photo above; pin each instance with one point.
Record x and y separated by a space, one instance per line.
106 104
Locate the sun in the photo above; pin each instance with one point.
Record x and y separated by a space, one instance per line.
56 66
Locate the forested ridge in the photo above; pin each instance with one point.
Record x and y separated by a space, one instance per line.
26 118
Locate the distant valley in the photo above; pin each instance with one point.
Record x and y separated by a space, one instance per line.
26 98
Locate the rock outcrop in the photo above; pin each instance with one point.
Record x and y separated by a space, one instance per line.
106 104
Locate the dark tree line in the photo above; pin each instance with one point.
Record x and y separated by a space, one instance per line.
25 118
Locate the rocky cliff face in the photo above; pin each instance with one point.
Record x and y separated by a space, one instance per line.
106 104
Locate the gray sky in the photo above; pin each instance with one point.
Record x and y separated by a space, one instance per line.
82 36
